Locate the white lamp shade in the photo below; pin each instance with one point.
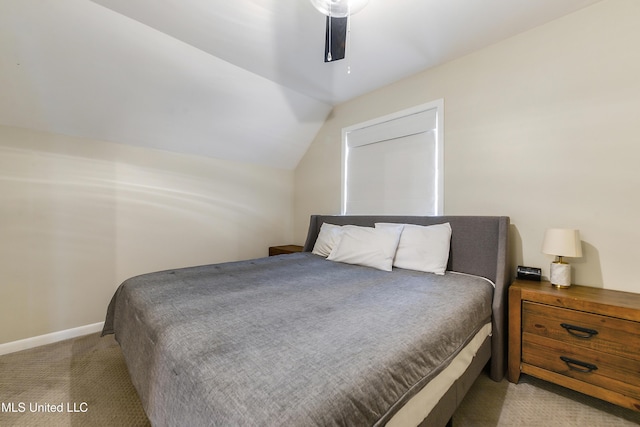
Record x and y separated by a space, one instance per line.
339 8
562 242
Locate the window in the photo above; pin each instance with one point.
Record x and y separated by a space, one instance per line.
393 165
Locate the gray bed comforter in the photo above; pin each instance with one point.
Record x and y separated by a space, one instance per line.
290 340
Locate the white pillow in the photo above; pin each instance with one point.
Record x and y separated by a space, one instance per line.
368 246
422 248
328 237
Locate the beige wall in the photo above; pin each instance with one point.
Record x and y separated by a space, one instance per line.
543 127
78 216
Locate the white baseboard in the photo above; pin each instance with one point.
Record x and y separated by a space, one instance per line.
25 344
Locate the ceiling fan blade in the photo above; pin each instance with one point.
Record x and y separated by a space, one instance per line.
336 39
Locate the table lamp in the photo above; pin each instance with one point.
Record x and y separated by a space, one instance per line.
561 242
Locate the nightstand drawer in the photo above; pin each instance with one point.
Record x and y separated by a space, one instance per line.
614 373
584 330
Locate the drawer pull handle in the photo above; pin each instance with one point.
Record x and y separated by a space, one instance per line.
573 365
578 331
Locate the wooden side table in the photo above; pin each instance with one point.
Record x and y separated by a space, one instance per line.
284 249
583 338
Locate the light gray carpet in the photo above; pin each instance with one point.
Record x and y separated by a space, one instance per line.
87 369
89 374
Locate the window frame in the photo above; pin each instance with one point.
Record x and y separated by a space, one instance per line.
438 185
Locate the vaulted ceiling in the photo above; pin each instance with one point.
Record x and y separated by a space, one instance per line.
242 80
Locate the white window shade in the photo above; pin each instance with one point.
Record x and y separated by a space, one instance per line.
393 165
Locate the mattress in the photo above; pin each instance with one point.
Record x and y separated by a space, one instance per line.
291 340
420 405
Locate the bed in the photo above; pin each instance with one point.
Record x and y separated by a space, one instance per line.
302 340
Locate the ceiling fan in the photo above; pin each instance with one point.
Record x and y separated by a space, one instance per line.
338 13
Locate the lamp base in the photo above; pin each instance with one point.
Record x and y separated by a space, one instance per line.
560 275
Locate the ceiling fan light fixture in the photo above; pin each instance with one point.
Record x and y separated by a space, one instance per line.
339 8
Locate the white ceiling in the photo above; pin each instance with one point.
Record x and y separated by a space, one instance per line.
242 80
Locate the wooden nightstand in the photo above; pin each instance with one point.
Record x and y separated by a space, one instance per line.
583 338
285 249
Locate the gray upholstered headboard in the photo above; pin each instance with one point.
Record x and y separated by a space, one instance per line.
478 246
